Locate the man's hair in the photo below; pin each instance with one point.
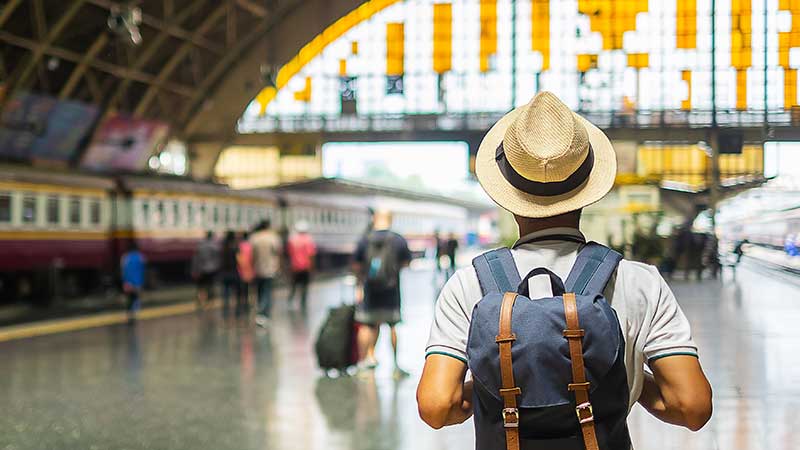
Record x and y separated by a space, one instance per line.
263 225
209 235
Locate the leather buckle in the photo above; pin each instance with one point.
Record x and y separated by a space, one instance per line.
581 407
507 413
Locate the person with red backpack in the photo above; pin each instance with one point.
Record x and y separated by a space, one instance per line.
561 336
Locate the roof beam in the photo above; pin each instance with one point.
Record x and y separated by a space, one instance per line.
49 39
113 69
152 47
169 28
224 64
176 58
253 8
83 65
8 9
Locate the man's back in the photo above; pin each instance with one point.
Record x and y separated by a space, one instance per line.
652 323
301 249
376 295
266 253
207 257
133 268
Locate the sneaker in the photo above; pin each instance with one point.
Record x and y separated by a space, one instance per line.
400 374
366 365
262 321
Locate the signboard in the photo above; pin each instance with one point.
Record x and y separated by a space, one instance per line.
124 144
41 127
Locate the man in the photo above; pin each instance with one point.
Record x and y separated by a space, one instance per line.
544 163
378 260
301 250
267 250
205 265
452 246
133 270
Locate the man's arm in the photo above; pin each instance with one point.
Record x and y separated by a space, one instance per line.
443 397
677 392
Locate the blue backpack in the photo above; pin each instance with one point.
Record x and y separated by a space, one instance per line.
537 362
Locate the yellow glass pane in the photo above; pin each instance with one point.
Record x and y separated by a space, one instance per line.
442 37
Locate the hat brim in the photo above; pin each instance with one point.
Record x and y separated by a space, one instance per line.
596 186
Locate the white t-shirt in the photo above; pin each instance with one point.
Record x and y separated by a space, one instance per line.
652 322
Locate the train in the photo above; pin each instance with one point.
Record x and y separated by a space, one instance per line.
62 234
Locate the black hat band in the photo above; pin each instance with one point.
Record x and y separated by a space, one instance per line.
544 189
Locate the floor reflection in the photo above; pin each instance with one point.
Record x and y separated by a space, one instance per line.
201 381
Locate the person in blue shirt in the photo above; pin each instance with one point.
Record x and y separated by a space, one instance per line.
133 266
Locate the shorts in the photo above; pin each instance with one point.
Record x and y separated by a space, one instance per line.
302 277
376 317
206 281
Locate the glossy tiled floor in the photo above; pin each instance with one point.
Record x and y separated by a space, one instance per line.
198 382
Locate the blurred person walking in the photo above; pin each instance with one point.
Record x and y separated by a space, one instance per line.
132 265
452 246
229 271
205 266
267 253
379 258
244 266
439 250
302 250
544 164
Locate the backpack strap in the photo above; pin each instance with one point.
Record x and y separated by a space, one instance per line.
594 266
509 389
574 334
496 271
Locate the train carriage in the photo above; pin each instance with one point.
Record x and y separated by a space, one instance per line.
52 223
168 216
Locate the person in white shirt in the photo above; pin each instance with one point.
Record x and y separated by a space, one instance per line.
544 164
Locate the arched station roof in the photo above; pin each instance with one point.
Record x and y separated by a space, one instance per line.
195 64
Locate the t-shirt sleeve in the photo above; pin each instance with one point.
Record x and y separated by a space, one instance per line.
403 250
361 250
669 331
450 327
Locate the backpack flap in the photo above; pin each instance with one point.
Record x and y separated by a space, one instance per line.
542 366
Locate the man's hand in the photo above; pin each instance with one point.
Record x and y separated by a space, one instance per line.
443 397
678 392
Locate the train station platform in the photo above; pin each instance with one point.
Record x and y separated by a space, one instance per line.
197 381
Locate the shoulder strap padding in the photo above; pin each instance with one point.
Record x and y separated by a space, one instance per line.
594 267
496 271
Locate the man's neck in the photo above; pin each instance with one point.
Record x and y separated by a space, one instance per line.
528 225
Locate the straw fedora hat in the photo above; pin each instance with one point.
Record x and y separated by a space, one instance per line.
542 160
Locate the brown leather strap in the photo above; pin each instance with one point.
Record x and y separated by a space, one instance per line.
509 391
579 385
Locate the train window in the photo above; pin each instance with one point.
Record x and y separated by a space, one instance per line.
29 208
94 212
75 211
251 217
53 210
5 207
161 218
145 218
202 218
176 214
190 218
